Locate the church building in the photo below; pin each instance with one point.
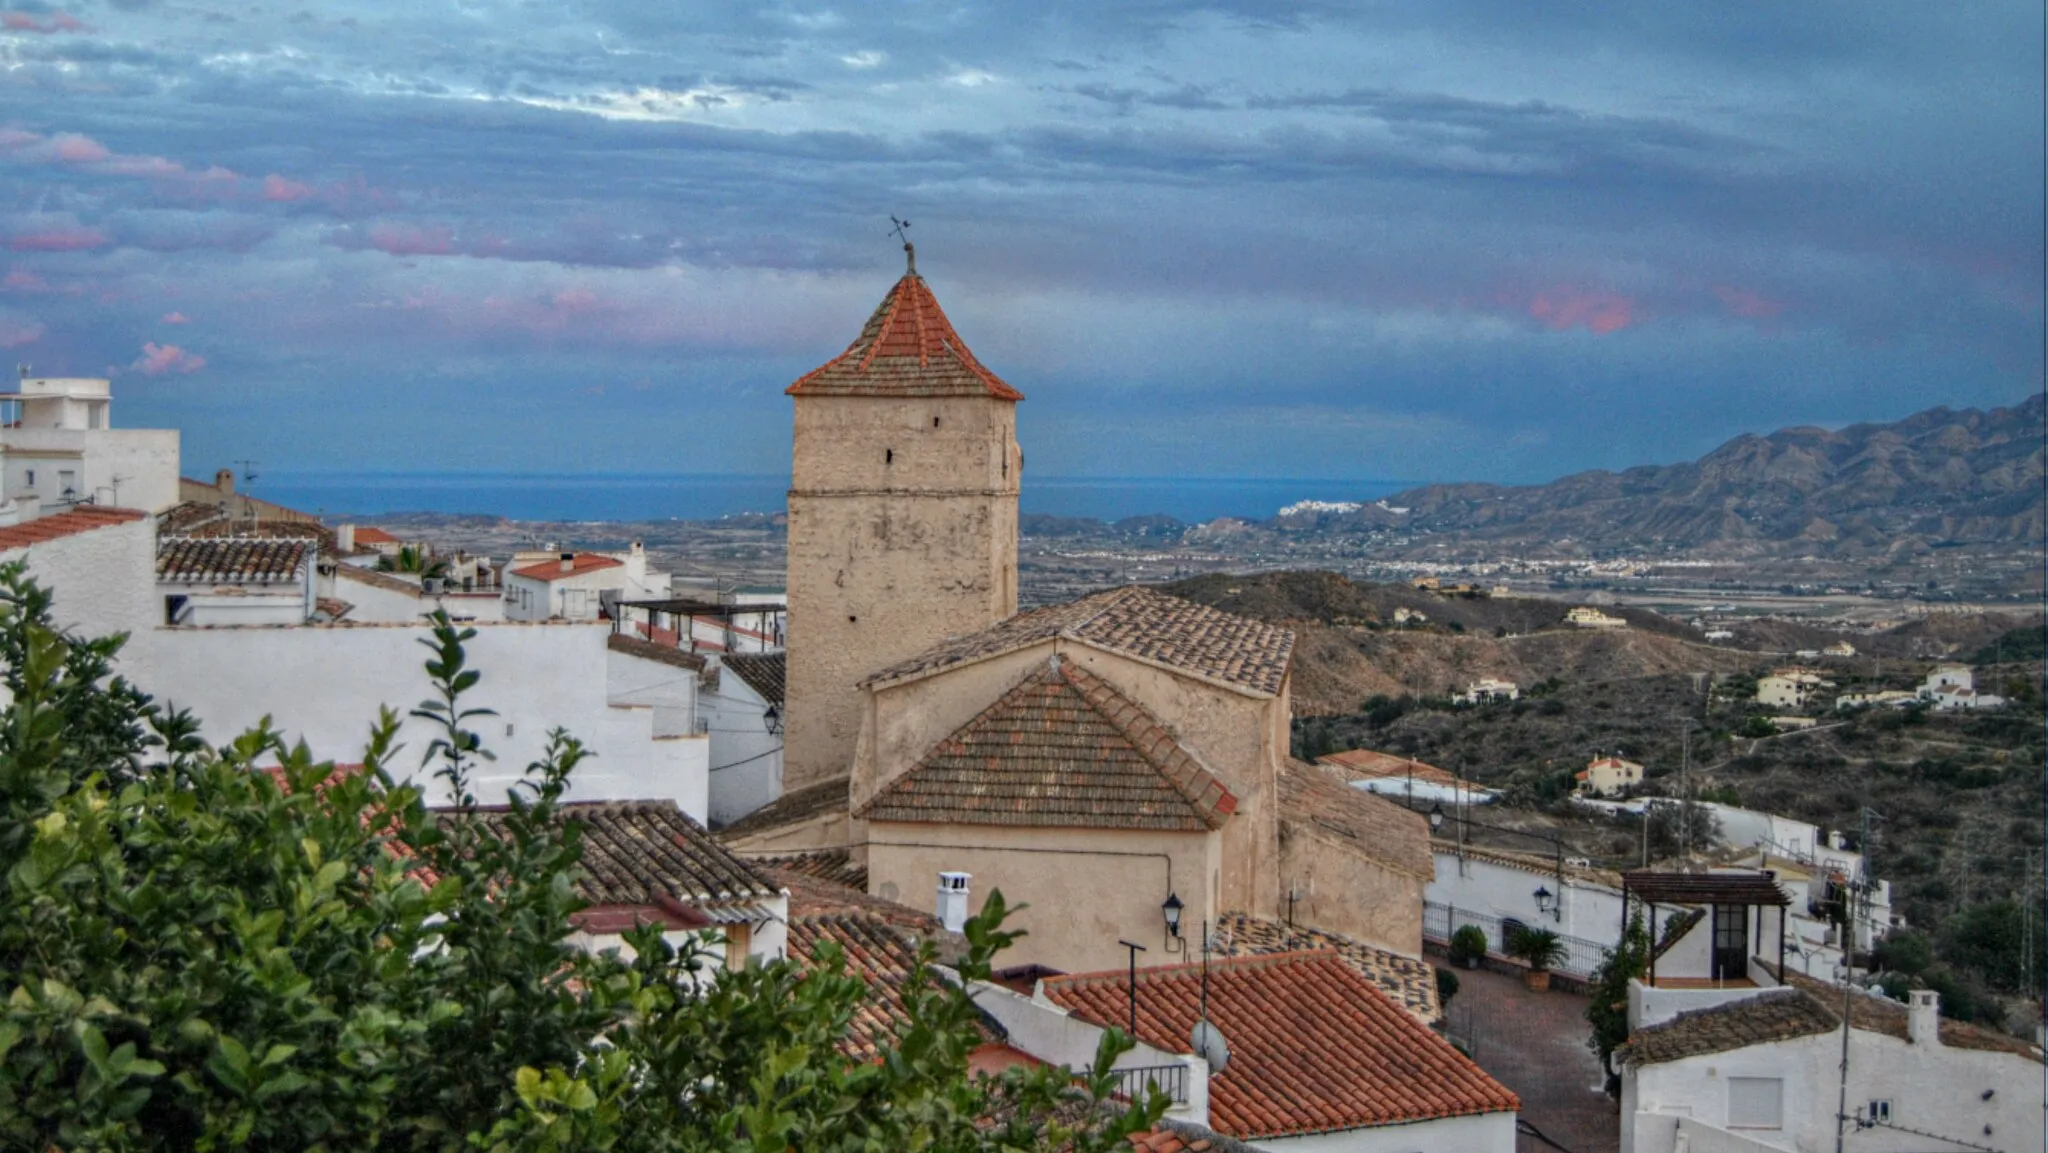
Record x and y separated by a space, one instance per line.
1119 763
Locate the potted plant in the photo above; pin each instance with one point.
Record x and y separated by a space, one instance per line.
1468 946
1541 948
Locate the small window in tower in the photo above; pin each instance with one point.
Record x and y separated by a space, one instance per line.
935 422
889 456
852 620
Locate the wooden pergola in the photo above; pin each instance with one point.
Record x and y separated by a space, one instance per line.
1757 891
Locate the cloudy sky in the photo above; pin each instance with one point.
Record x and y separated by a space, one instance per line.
1453 240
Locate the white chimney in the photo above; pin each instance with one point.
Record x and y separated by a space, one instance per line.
1923 1018
953 901
568 562
345 538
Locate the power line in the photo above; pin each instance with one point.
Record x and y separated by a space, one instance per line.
749 760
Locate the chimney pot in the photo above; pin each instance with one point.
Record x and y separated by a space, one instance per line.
953 892
1923 1018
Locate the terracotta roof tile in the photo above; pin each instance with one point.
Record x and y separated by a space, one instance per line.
1184 1137
876 953
369 576
1134 621
371 534
1316 800
649 651
1408 980
1372 765
198 559
1772 1015
644 852
907 349
791 808
1060 749
1315 1047
832 866
1883 1015
762 672
584 562
80 518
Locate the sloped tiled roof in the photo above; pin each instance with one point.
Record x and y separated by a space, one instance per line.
584 562
1884 1015
763 673
791 808
1315 800
834 866
1314 1046
1134 621
81 518
876 953
371 534
1061 749
228 559
1771 1015
907 349
364 575
633 646
1370 764
636 853
1409 981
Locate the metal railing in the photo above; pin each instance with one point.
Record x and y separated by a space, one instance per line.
1172 1080
1439 921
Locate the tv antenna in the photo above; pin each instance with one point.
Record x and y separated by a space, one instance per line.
23 367
901 232
249 473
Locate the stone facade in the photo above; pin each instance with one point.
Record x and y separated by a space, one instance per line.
902 518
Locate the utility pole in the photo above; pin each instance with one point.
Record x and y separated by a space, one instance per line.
1135 950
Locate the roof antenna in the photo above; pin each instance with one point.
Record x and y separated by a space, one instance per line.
909 249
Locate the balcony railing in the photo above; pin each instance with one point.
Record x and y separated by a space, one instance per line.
1171 1080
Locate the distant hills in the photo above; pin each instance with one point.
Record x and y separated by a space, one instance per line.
1940 478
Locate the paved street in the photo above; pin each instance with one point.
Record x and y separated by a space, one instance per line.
1535 1044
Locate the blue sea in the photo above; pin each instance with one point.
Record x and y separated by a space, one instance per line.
655 496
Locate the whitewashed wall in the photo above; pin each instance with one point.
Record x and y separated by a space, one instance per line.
145 460
1481 1133
746 759
1591 911
101 581
325 683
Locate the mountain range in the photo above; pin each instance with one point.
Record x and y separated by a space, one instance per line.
1938 479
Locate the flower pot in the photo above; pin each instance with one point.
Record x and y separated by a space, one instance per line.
1470 962
1538 980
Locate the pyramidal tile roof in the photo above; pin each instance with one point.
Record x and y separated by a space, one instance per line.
1315 1046
907 349
1134 621
1061 749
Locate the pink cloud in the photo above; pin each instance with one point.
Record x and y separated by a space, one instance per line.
277 188
412 240
157 359
15 332
1567 308
22 280
1748 305
176 318
26 22
57 240
72 148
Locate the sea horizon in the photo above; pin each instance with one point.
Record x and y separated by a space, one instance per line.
627 496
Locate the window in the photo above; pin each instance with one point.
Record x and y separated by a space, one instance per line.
1756 1102
1878 1112
31 478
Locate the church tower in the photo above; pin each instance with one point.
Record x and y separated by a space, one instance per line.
902 516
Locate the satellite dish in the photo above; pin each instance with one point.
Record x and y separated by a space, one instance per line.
1208 1040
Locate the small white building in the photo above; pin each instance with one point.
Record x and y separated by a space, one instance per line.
1746 1070
1840 649
236 581
1587 617
1789 688
1896 698
1487 691
59 448
576 586
1953 688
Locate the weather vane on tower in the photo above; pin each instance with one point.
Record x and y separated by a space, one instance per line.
909 249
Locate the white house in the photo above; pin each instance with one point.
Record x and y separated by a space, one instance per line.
1591 618
1754 1069
1487 691
1608 777
575 586
236 581
741 706
1952 688
59 448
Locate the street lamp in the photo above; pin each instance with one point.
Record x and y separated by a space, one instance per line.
1436 817
772 721
1545 902
1172 909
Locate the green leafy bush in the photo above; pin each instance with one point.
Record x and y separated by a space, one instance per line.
1468 944
198 954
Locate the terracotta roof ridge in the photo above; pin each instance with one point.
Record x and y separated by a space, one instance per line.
1191 968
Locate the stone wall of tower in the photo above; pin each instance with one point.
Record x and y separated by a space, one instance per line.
902 532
